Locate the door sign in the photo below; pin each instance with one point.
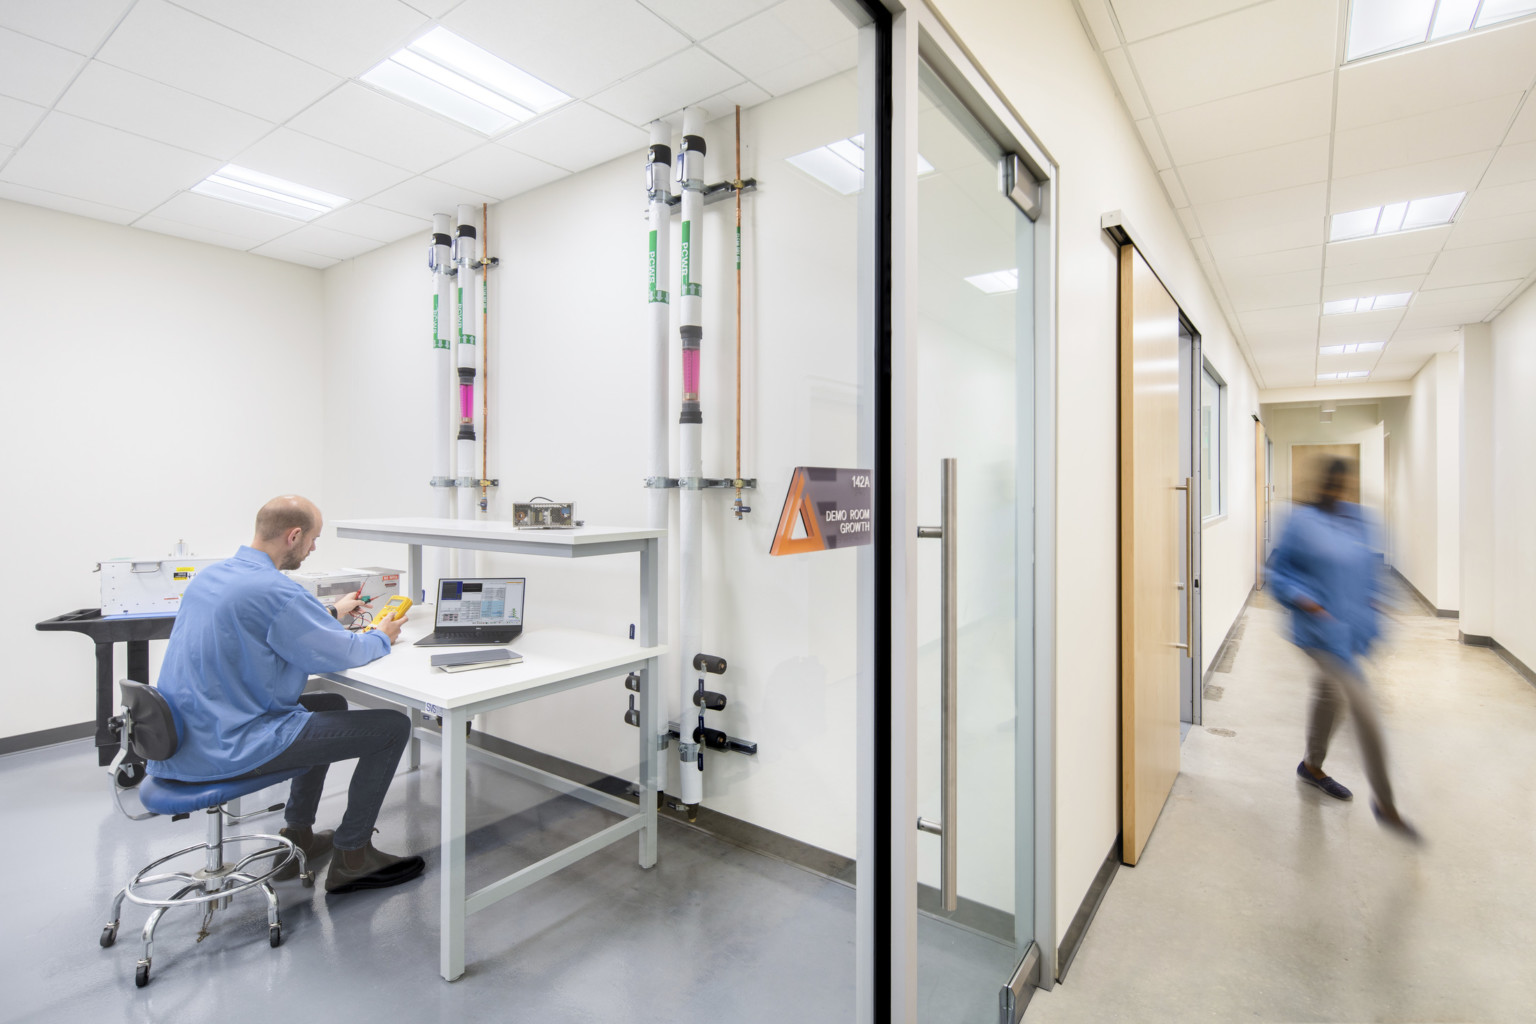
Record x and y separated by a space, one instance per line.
825 509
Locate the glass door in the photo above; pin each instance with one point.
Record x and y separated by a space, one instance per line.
974 664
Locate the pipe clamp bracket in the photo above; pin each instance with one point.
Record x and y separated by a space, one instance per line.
442 481
661 481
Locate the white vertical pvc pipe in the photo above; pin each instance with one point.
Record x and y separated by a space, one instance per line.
466 255
435 560
690 176
658 189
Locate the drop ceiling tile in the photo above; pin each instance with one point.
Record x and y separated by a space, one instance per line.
1490 230
1488 294
1410 265
176 47
810 69
1289 261
783 35
1382 247
1154 144
1449 315
345 37
378 126
577 54
1297 318
1125 82
82 30
1290 208
423 197
1524 128
375 222
1476 264
5 153
1330 363
1298 40
65 204
1501 201
309 161
1282 236
70 156
33 70
1413 181
1356 327
195 232
699 21
668 86
495 171
1191 224
324 241
1449 131
281 250
576 137
1367 287
434 8
121 99
1101 24
724 104
1455 72
1268 292
17 118
1175 190
1142 18
1264 170
1257 120
1512 165
227 218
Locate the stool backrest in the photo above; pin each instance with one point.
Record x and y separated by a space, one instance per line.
151 726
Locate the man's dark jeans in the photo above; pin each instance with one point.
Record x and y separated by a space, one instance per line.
376 737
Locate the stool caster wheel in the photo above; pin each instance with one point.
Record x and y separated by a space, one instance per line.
109 935
307 879
130 774
141 976
275 936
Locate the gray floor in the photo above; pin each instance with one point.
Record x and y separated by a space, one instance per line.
1259 899
712 932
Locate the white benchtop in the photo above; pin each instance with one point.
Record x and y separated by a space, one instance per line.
465 532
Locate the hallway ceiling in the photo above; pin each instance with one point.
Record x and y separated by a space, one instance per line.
114 109
1261 133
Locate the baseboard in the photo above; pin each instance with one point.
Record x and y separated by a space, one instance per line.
1232 629
1474 640
1073 940
46 737
1429 606
1513 662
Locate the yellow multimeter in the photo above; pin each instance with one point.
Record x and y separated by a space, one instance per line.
394 608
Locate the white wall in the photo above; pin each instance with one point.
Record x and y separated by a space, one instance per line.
1351 424
1514 484
154 389
1477 510
1041 59
1424 447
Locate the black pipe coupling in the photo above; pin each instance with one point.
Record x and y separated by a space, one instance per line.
711 663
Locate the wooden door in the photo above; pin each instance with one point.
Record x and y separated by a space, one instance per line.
1152 516
1307 461
1260 498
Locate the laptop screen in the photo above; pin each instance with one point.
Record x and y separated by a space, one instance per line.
484 602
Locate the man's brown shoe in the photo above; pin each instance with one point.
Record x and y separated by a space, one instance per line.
370 868
316 846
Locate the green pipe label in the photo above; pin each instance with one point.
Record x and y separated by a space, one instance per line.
438 341
653 293
689 287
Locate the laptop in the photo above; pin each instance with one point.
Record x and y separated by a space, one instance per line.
477 612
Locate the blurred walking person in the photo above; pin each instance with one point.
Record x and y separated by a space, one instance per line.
1327 571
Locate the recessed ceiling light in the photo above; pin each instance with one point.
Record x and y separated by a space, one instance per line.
840 164
454 77
1378 26
1371 303
264 192
1384 220
997 281
1350 350
1350 375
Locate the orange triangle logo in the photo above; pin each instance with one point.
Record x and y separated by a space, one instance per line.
798 512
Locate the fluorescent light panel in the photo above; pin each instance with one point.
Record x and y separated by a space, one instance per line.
1349 375
264 192
1429 212
997 281
452 76
1368 304
1380 26
840 165
1350 350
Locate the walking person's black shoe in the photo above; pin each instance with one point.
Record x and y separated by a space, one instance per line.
1394 822
1326 783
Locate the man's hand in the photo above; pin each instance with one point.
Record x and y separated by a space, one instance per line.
390 627
348 606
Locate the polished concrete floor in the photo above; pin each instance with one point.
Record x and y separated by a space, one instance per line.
1259 899
713 932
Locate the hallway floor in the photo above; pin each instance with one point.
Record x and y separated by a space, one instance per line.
1261 899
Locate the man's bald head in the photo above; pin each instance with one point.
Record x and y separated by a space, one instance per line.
286 529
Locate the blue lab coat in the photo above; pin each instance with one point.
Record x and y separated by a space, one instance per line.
246 640
1332 558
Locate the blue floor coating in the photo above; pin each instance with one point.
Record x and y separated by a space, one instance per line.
711 933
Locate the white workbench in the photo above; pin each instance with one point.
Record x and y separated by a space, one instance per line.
553 660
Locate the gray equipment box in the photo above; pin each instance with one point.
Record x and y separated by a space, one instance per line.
544 515
149 586
329 584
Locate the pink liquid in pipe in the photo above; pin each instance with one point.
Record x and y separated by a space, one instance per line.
467 402
691 371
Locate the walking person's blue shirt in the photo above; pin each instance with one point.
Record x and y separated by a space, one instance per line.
246 640
1332 559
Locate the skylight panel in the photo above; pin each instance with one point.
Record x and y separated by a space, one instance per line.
1385 220
997 281
1349 375
1351 350
1380 26
840 164
452 76
1370 303
242 185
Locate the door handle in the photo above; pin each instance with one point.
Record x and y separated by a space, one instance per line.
949 683
1188 586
